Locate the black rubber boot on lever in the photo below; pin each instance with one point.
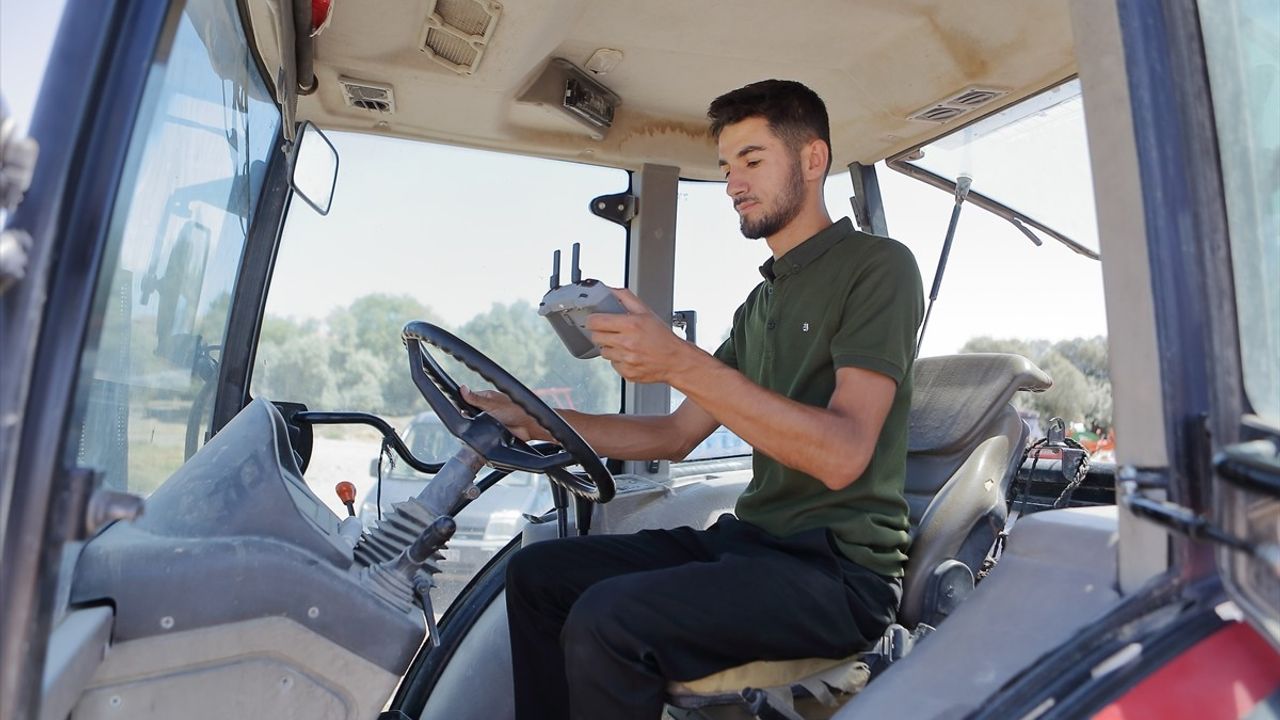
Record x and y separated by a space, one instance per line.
394 580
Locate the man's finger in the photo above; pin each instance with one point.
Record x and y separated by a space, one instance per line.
608 322
629 301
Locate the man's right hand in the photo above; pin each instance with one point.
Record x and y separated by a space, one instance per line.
500 407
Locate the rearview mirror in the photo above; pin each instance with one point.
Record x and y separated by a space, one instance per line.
315 168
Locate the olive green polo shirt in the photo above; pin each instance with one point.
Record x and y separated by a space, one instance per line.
842 298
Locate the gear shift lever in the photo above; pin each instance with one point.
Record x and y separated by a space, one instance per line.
347 494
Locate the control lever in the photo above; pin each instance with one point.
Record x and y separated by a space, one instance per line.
350 529
408 575
347 494
422 588
431 540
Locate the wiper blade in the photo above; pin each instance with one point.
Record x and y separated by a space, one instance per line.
1019 220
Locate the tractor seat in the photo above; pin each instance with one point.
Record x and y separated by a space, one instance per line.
963 449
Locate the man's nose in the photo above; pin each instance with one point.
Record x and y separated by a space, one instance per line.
735 187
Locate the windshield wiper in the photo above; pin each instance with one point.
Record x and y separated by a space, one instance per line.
1022 222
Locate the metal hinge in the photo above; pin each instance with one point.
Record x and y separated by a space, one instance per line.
619 208
686 320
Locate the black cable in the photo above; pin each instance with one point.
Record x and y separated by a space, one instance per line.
377 497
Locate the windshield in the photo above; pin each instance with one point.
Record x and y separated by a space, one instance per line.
1031 158
196 164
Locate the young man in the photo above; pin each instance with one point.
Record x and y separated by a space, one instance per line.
816 376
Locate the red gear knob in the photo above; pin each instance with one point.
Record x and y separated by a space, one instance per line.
347 494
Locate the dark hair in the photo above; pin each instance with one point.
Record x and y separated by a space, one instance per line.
794 112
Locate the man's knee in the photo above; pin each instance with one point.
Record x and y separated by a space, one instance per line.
598 618
534 566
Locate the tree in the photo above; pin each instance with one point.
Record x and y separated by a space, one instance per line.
357 361
520 340
366 347
1070 397
294 366
1081 389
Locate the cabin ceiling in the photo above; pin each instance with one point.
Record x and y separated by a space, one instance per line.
875 62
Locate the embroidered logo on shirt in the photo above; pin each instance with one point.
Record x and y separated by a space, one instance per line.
804 327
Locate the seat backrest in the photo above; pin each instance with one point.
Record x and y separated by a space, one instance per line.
963 449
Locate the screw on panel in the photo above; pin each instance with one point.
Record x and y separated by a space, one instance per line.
166 622
313 612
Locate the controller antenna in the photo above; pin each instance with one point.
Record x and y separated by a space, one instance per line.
555 270
576 271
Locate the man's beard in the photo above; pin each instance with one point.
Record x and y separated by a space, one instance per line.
788 207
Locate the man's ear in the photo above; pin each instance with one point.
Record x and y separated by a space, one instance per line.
817 156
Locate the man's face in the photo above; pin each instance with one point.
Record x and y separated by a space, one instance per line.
763 175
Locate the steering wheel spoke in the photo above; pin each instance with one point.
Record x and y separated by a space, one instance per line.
484 434
513 459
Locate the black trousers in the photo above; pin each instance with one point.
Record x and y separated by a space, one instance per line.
600 624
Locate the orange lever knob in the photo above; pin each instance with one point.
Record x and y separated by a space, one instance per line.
347 494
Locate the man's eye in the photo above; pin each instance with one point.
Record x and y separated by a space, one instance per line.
752 163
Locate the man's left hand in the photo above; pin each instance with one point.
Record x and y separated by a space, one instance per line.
641 347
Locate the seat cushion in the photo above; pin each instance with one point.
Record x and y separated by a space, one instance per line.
820 676
956 396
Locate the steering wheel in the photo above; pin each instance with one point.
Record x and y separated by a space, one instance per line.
483 433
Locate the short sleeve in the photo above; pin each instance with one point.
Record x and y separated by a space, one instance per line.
727 353
882 313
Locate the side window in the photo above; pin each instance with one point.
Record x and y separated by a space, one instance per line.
1243 57
27 31
194 172
1244 62
459 238
1000 291
715 269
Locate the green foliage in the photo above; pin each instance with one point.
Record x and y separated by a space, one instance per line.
293 364
356 360
525 345
1081 389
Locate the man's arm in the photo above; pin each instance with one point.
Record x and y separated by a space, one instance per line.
620 437
833 444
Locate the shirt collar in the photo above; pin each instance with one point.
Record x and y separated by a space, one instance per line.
807 251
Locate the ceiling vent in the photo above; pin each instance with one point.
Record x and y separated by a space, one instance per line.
963 102
370 96
457 32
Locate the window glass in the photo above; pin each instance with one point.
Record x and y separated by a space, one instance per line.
1242 43
1242 50
27 31
194 172
457 237
715 268
1032 157
1000 293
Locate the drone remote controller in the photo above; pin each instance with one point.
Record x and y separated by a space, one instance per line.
567 307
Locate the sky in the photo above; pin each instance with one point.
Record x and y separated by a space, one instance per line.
27 29
462 229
